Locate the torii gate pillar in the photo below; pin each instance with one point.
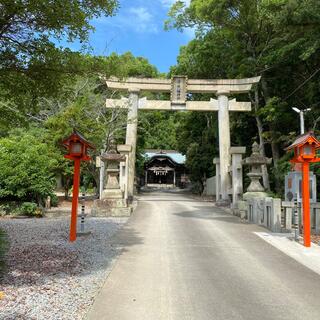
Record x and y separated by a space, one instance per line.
179 87
131 138
224 144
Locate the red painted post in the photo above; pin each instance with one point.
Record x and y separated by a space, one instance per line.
77 146
305 152
75 199
306 204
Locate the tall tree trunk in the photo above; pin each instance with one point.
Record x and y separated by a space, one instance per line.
66 187
274 143
276 157
265 175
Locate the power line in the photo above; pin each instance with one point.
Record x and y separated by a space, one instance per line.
302 84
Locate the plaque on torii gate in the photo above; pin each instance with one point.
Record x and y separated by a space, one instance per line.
179 87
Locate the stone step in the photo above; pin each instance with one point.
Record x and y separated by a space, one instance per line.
111 212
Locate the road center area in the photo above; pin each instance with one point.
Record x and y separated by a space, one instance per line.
186 259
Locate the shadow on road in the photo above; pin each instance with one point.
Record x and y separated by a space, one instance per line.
167 200
200 214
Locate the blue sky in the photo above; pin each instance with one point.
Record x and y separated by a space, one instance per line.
138 27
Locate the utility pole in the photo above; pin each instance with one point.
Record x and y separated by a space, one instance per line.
301 113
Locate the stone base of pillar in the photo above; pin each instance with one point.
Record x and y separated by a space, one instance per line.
240 209
256 194
110 194
111 208
223 203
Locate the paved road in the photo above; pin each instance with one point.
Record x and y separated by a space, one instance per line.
186 259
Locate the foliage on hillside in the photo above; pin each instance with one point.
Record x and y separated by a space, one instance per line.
278 40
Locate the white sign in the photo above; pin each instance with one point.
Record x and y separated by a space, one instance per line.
179 90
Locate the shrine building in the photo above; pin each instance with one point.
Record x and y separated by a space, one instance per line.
165 169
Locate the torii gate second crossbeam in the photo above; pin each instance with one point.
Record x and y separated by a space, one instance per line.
180 87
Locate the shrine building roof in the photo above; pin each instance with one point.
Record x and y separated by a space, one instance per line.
172 154
308 137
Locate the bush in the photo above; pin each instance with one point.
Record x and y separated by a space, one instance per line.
4 209
9 208
197 188
28 208
54 200
27 167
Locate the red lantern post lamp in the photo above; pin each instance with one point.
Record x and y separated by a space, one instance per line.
78 147
305 152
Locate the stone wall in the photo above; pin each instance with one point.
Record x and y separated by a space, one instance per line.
210 188
275 214
288 216
262 211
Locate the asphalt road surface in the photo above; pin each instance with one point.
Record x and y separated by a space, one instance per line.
186 259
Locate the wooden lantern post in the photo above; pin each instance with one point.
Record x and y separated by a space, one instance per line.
78 147
305 152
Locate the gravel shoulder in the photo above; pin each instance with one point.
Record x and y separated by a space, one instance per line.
50 278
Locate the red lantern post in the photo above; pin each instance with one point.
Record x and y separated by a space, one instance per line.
305 152
78 147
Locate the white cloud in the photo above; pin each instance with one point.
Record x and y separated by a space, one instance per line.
142 20
141 13
169 3
136 19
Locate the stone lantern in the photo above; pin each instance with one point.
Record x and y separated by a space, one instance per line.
112 188
113 201
255 161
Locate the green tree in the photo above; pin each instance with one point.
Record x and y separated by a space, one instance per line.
197 138
27 164
27 27
275 39
81 105
31 66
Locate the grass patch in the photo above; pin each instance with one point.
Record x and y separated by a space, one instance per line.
3 250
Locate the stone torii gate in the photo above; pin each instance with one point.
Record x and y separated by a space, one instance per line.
180 87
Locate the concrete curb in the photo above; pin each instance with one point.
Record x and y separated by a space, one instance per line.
309 257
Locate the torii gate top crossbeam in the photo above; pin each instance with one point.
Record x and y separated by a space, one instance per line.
193 85
179 87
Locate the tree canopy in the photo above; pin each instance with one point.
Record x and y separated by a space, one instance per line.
31 64
278 40
28 27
